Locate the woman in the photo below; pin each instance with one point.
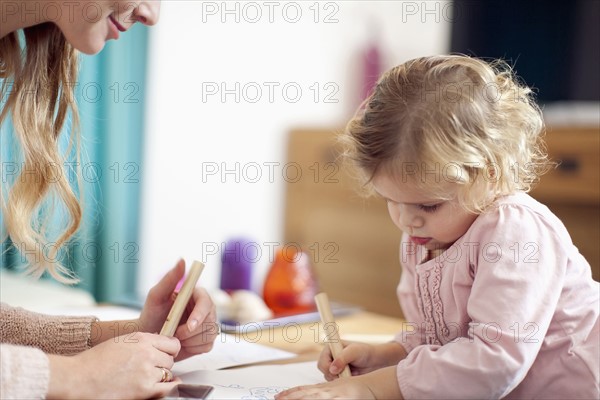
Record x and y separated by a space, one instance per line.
43 356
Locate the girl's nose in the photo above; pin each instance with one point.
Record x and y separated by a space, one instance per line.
409 220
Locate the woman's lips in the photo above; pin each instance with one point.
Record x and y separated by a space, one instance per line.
115 27
419 240
117 24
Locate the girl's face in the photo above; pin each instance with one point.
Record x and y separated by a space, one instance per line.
88 24
430 222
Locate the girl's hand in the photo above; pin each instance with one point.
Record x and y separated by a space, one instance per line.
198 327
343 388
380 384
125 367
362 358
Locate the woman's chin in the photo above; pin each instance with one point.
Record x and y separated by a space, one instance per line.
89 47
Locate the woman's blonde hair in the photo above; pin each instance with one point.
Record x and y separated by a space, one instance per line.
452 119
38 81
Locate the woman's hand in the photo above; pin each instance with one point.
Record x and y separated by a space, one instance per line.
198 327
126 367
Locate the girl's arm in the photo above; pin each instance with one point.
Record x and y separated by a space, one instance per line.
373 369
379 384
361 357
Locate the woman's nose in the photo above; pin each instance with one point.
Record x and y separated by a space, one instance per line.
147 12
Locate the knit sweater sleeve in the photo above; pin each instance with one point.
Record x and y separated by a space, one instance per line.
52 334
25 337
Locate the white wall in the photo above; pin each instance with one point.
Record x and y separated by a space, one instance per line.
199 46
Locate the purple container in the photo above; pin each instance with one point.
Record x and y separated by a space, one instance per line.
238 256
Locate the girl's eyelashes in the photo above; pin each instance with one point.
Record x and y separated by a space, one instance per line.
430 208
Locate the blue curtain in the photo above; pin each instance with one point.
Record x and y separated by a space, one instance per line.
110 95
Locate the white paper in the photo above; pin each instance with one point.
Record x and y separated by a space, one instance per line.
230 351
258 382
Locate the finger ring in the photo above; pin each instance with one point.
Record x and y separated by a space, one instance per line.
167 375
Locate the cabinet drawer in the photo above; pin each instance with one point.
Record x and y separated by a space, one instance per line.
577 178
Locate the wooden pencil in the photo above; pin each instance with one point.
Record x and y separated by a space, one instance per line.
182 299
331 329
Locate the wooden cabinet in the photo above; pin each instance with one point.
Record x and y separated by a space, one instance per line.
355 246
572 189
352 241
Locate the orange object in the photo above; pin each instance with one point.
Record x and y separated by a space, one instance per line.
290 286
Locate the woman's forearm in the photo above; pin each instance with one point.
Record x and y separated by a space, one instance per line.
60 385
107 330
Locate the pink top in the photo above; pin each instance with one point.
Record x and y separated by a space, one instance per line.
509 310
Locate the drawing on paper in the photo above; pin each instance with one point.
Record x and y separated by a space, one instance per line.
255 393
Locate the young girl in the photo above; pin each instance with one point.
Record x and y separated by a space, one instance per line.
74 357
498 301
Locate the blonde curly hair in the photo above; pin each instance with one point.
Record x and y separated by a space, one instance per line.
449 120
37 83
